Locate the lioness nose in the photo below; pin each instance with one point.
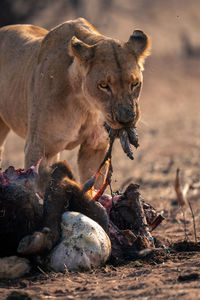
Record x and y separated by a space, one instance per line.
125 116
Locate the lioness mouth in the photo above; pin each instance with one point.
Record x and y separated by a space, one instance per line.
127 137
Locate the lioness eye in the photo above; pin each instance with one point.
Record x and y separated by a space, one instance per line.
104 85
134 84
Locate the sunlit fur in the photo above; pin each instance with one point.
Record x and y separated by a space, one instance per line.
50 95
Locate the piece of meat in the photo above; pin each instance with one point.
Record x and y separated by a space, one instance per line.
133 137
127 218
20 176
125 143
127 137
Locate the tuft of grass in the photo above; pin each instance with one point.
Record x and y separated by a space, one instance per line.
181 193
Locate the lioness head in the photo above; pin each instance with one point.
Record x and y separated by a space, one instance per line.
112 76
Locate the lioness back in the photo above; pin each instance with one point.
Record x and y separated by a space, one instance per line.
22 47
19 46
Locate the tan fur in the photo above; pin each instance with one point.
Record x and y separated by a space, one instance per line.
51 89
13 267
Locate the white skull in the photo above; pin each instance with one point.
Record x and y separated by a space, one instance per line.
84 244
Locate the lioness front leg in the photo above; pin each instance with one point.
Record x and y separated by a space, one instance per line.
89 159
4 130
35 152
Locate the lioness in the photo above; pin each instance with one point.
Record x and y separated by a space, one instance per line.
57 88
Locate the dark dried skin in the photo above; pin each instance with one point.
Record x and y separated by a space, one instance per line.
128 213
130 222
125 143
138 218
127 137
20 214
133 137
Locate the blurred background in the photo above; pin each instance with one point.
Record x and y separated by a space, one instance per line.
170 125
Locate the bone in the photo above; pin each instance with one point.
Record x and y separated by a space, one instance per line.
39 242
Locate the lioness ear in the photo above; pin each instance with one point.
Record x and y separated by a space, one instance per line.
81 50
139 43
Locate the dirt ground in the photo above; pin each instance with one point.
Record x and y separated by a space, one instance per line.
169 133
